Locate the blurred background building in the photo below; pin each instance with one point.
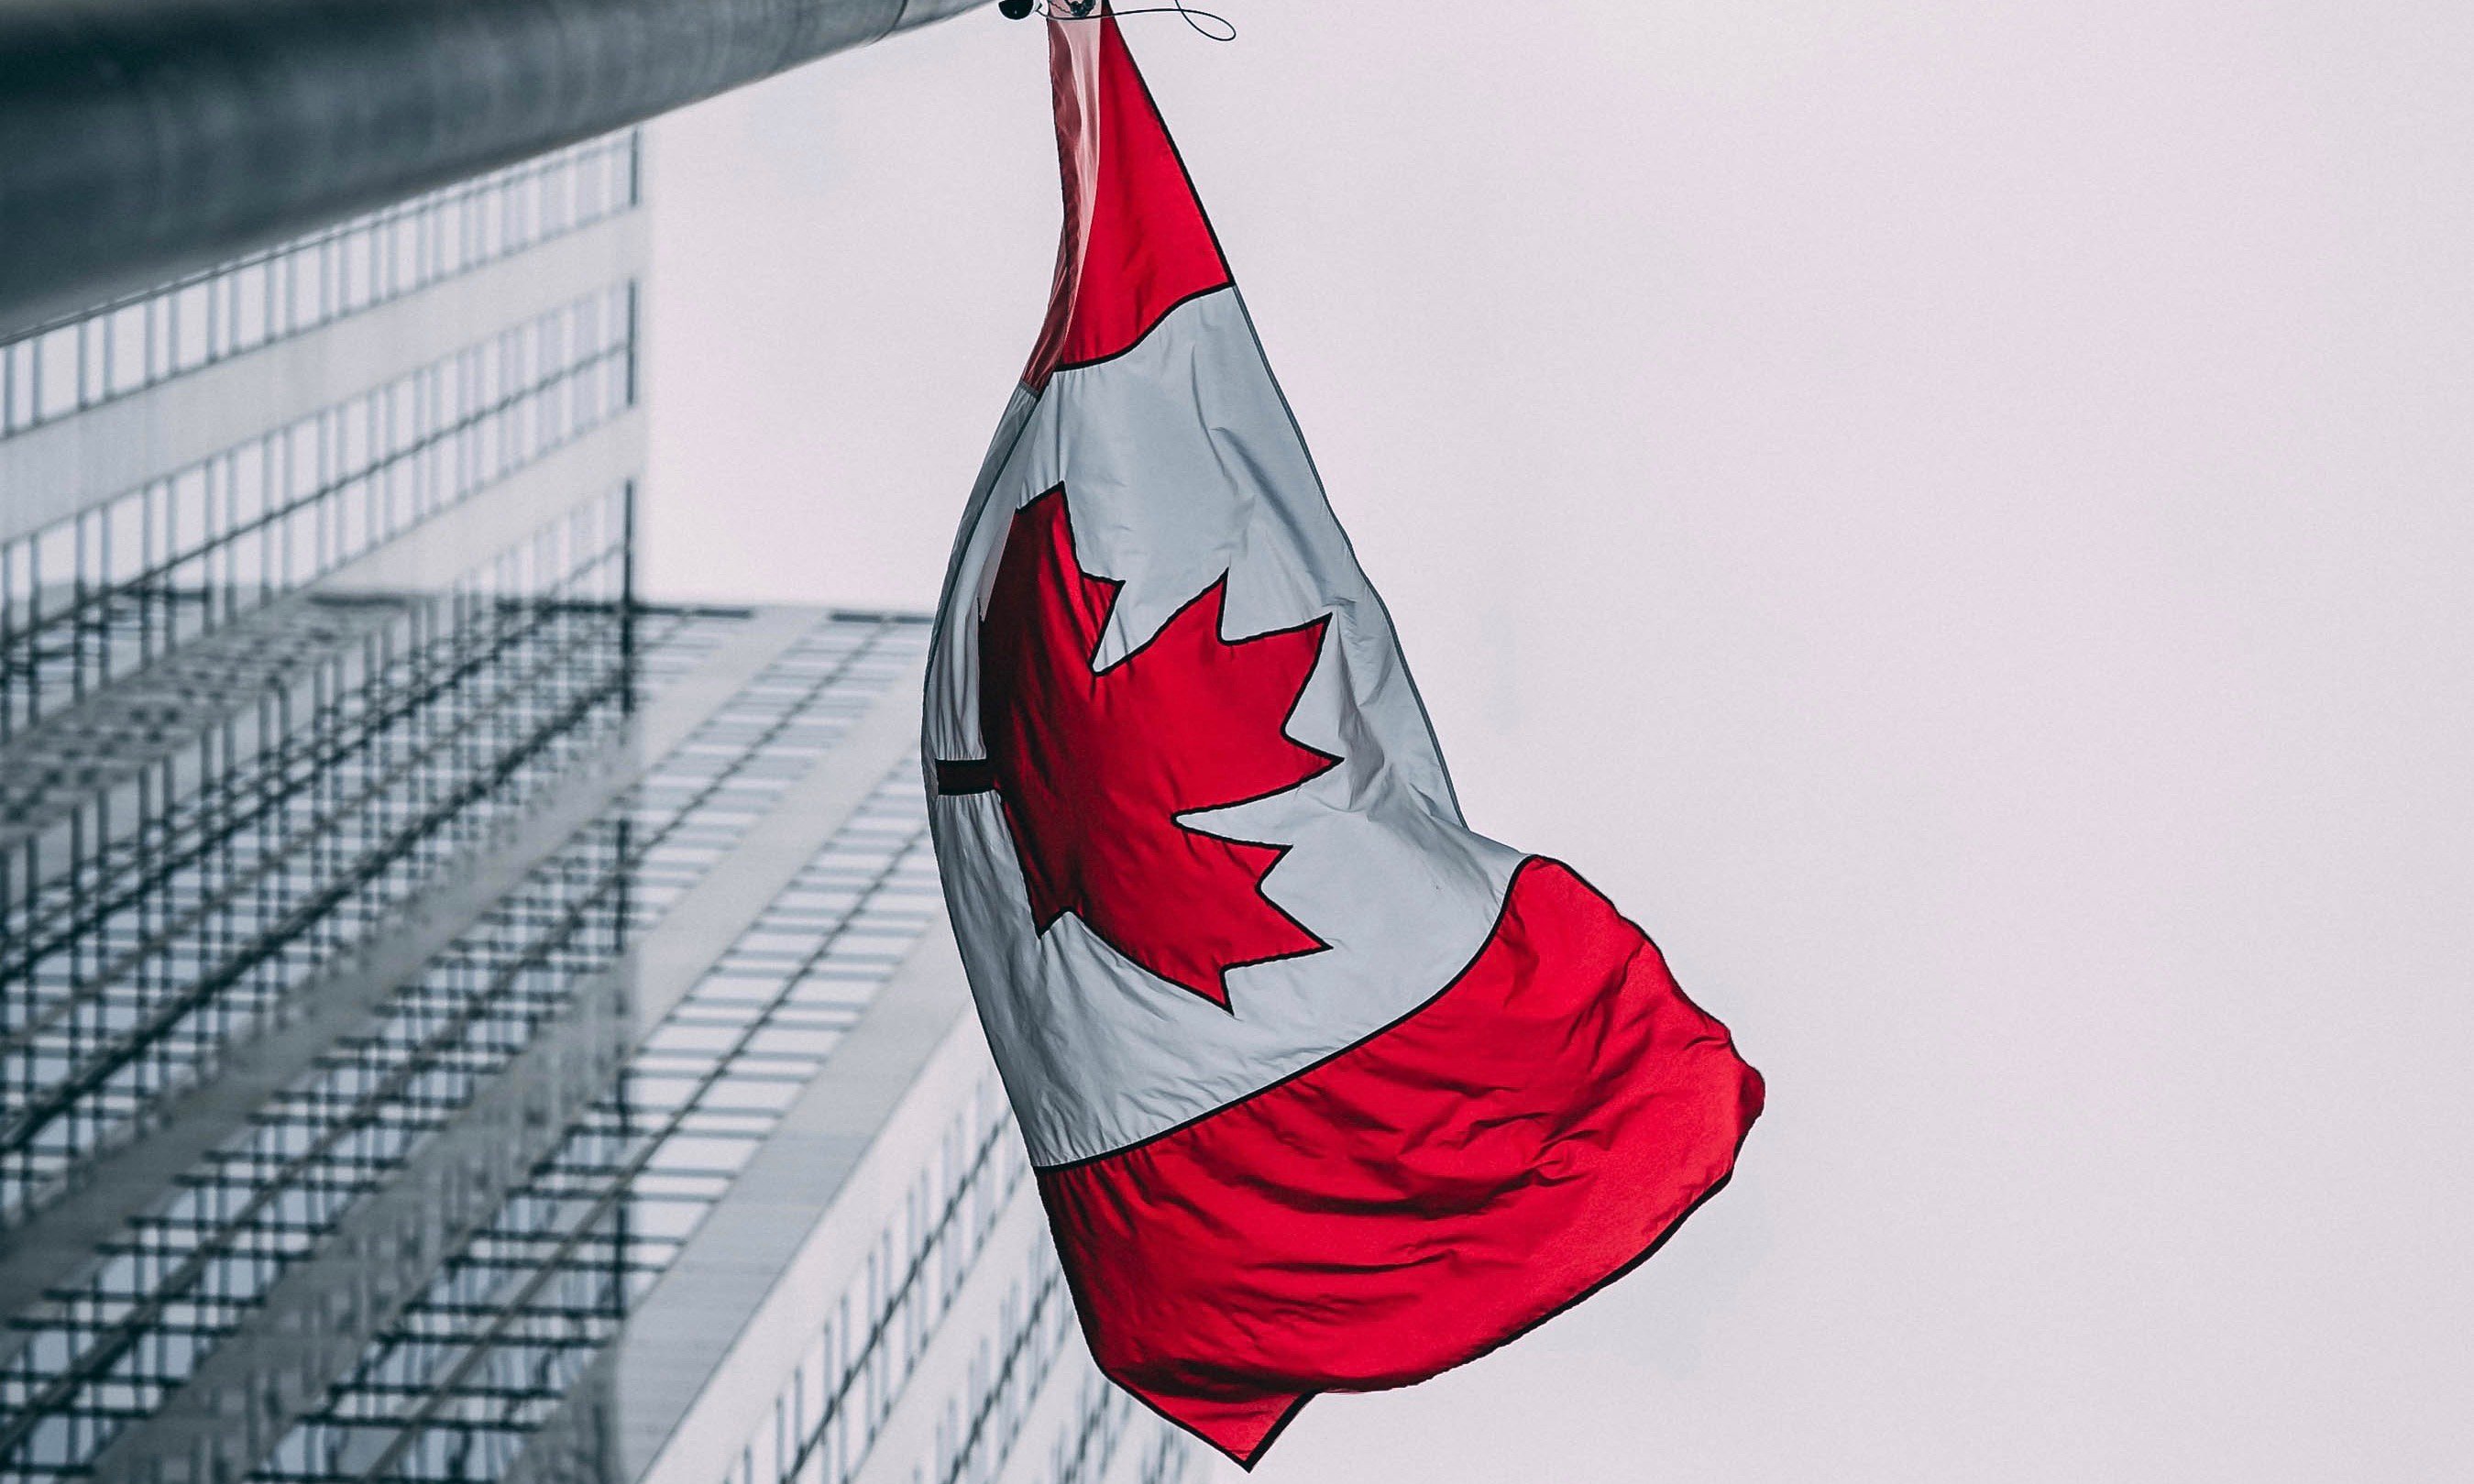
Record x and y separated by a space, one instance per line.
459 1020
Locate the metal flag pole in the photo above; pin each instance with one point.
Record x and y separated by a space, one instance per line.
140 139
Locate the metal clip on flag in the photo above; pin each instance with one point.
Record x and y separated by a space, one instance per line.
1324 1091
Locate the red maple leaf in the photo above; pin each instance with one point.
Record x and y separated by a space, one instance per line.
1094 766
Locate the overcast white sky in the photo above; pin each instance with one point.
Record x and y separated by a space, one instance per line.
1957 515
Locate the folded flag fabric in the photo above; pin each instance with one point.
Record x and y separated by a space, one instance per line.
1325 1091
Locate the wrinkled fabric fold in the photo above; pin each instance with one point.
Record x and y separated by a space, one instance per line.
1424 1196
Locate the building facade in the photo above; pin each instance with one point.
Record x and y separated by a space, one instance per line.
457 1020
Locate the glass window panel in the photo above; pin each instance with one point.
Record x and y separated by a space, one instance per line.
188 327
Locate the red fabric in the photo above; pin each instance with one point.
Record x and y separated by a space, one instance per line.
1422 1197
1148 247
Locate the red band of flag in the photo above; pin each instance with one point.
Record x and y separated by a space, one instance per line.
1424 1196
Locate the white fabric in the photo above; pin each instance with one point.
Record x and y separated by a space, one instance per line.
1179 461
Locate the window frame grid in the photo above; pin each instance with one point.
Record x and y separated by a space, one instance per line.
130 345
392 785
499 1416
100 594
431 1051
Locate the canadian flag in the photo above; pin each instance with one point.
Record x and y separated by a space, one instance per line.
1324 1091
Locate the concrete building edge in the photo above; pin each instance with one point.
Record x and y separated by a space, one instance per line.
909 1111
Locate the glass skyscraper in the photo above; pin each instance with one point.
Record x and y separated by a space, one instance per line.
460 1021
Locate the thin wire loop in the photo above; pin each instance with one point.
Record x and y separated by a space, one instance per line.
1220 28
